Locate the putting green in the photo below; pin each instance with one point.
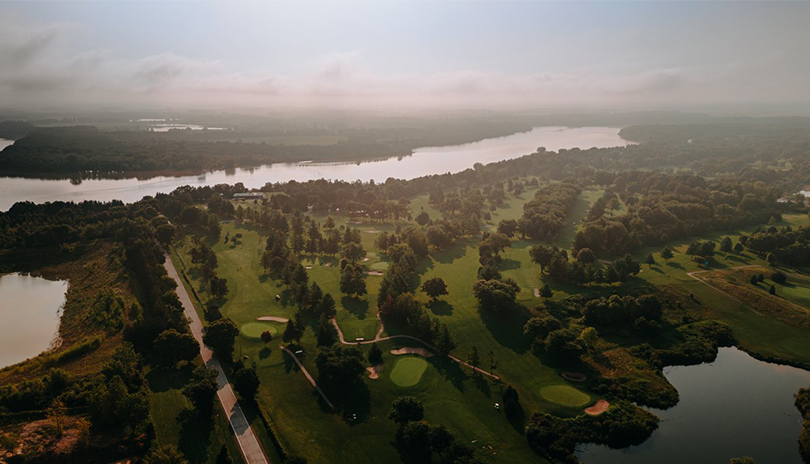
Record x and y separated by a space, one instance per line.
255 329
408 371
565 395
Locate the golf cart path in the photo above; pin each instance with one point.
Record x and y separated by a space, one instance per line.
307 375
380 338
248 443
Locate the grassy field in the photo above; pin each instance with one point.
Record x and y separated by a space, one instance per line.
451 394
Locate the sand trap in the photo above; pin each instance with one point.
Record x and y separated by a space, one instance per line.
375 273
365 259
574 376
372 231
598 408
537 293
272 319
374 371
412 350
327 264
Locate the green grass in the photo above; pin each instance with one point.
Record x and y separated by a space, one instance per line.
255 329
408 371
565 395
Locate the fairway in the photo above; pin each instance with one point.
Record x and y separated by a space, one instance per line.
408 371
565 395
255 329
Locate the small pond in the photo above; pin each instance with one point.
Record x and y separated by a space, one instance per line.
735 406
29 316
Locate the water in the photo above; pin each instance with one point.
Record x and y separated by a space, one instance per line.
736 406
424 161
29 316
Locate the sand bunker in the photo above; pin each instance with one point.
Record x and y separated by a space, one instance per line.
375 273
537 293
412 350
327 264
272 319
574 376
371 231
374 371
598 408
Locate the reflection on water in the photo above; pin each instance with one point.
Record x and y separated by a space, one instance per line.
736 406
423 162
29 316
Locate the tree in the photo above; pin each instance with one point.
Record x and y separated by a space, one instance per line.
267 337
666 253
219 287
540 326
546 292
589 337
201 389
172 347
56 415
406 409
650 260
779 277
742 460
434 288
291 332
754 280
353 252
440 440
772 290
473 358
739 247
340 366
165 454
327 307
585 256
246 382
725 245
294 460
422 218
267 260
374 354
220 336
496 295
542 255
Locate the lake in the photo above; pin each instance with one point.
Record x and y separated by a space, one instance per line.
736 406
423 162
29 316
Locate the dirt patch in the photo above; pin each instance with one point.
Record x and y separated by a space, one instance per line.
375 273
412 350
283 320
598 408
574 376
374 371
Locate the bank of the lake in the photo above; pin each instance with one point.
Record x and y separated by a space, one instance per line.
735 406
29 315
423 162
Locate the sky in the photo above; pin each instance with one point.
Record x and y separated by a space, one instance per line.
403 54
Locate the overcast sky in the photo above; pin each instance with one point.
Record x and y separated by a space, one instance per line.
397 54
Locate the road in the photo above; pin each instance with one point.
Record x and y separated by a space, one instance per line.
248 443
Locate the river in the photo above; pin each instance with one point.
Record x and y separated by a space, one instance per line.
29 315
423 162
735 406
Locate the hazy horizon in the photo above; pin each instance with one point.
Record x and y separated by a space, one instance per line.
405 56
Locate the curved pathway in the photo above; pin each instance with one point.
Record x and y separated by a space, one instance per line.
248 443
380 338
307 375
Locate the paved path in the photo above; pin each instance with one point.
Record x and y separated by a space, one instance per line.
307 375
248 443
380 338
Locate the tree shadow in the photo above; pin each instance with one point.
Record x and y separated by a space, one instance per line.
451 370
657 269
509 264
482 384
355 306
353 402
162 380
440 307
452 253
264 353
507 326
195 435
517 419
675 265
